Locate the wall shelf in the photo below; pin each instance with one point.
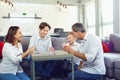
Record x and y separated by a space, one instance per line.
8 17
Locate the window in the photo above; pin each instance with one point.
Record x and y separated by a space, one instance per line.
107 17
90 17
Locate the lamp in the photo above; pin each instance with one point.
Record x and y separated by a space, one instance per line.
6 2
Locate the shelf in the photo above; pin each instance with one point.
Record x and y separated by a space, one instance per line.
8 17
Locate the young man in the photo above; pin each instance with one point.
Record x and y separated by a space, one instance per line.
42 42
91 53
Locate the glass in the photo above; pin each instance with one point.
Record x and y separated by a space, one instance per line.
107 18
90 17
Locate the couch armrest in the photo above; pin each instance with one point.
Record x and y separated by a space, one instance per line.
117 70
117 64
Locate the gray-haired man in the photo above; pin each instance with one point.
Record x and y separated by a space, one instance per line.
90 52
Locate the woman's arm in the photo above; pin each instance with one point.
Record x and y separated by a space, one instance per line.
29 51
14 55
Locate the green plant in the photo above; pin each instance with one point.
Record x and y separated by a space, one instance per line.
24 13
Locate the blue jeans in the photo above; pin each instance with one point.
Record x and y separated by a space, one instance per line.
47 69
81 75
18 76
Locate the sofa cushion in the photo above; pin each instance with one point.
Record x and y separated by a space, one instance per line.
105 48
57 42
1 46
109 44
110 58
115 38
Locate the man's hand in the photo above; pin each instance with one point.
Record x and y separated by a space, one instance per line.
68 49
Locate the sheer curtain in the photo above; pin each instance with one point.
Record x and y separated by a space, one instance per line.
107 17
90 17
106 11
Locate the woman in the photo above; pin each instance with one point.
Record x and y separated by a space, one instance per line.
10 68
42 42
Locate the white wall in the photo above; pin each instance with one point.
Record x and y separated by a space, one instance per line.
49 14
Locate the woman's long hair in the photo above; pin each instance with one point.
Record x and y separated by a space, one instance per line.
10 34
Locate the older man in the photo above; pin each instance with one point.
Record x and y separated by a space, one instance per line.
90 52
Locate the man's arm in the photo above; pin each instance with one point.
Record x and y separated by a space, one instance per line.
75 53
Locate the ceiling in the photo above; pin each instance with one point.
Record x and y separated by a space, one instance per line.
68 2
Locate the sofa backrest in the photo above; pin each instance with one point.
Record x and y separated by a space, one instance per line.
63 34
115 38
2 38
25 42
57 42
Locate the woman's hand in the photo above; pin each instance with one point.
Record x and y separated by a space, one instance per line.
30 50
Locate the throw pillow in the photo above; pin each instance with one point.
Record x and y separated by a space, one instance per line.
1 46
109 44
105 48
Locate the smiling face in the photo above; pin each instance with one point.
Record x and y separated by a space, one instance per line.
43 32
18 35
44 29
14 35
70 39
